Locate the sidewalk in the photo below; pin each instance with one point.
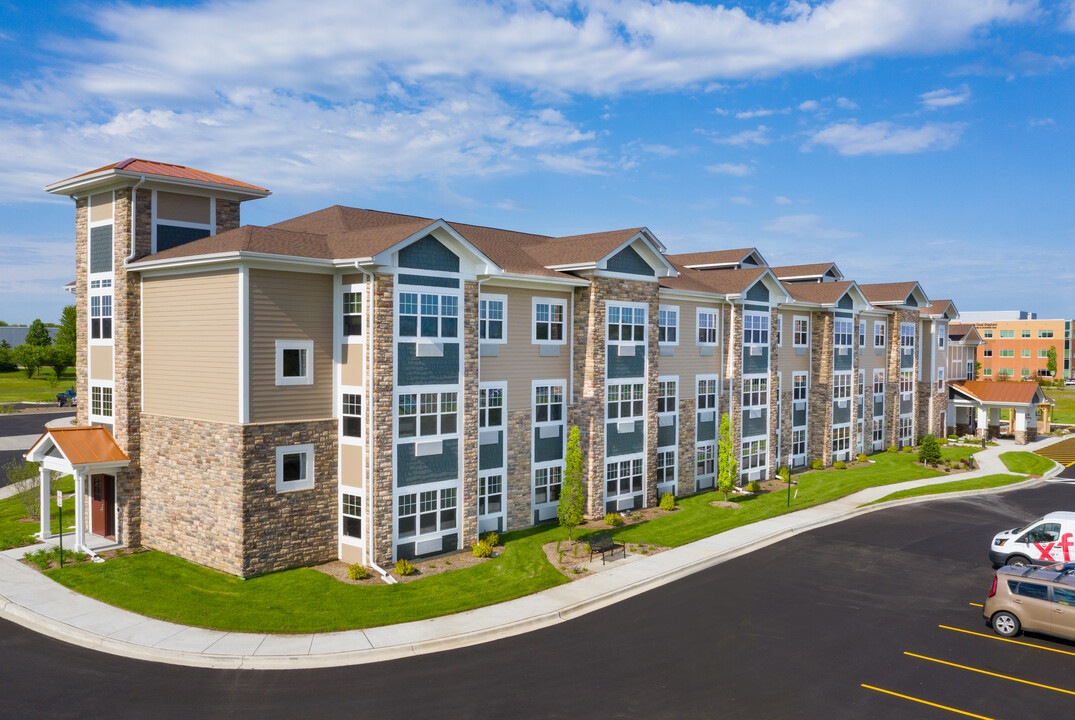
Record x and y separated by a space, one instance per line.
31 599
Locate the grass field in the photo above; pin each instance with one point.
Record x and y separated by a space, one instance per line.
16 534
16 387
1026 462
1064 411
166 587
979 483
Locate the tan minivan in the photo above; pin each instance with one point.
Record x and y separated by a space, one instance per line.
1039 599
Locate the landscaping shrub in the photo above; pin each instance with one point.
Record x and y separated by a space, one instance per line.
753 486
491 537
613 519
861 457
891 448
668 501
405 567
816 465
785 473
953 437
839 465
357 571
929 451
482 549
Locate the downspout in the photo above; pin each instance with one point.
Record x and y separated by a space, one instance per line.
134 205
368 352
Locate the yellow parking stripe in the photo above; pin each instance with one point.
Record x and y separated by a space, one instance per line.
977 605
926 702
1017 642
991 674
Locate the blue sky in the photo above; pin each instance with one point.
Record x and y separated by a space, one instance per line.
925 140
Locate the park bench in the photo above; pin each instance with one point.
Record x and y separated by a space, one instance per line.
603 543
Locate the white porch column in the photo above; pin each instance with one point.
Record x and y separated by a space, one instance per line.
46 504
983 417
80 512
1020 420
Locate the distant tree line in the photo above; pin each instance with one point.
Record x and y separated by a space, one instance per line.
40 349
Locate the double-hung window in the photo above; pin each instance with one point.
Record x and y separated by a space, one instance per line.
548 403
906 382
755 392
878 381
755 328
428 315
841 440
800 336
705 459
351 512
491 312
101 309
862 334
626 324
623 477
753 454
547 482
940 378
668 325
427 512
626 401
490 494
428 414
842 330
906 430
780 331
666 466
549 320
707 327
798 387
351 415
878 431
490 407
879 330
841 386
352 312
860 389
942 330
707 394
907 333
798 442
666 396
100 401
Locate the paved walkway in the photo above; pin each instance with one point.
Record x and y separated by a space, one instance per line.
31 599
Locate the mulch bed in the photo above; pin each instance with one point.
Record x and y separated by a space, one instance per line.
426 568
630 517
576 556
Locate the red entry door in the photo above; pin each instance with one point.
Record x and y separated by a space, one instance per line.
103 506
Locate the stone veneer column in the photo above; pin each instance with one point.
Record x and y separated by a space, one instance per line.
775 429
687 421
82 315
469 408
382 512
819 398
892 384
227 215
517 484
732 398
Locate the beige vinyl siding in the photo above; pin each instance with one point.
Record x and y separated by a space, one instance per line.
289 306
688 359
182 207
101 362
101 207
352 368
520 361
788 359
190 346
352 459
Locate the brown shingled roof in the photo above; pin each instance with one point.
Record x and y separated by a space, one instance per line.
576 249
887 292
790 271
958 331
151 167
991 391
712 257
936 307
826 293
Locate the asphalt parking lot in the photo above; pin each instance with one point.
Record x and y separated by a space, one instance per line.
23 425
1064 453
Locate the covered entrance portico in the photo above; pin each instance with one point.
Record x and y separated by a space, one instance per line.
976 406
92 456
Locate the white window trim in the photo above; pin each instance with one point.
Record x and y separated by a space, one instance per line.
94 418
534 385
715 312
675 406
281 486
618 461
794 320
504 321
747 381
308 346
799 374
717 390
631 382
534 302
883 324
668 308
502 386
351 390
359 288
418 391
361 493
101 292
780 330
633 306
768 328
440 292
534 504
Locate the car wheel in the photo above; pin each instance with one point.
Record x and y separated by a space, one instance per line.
1018 561
1005 624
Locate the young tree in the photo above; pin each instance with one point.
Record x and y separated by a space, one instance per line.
977 371
929 450
30 357
67 336
728 471
26 480
1050 364
38 334
7 360
572 495
59 358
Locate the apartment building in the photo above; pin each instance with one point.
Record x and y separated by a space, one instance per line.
371 386
1016 345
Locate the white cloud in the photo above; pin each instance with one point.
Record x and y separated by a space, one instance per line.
745 137
781 200
809 105
885 138
660 150
945 97
842 102
734 169
740 200
806 226
1042 122
761 112
585 162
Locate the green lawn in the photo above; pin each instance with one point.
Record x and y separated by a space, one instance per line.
1064 410
978 483
16 387
305 600
16 534
1027 463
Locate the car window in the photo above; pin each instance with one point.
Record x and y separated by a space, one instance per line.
1046 532
1029 589
1064 596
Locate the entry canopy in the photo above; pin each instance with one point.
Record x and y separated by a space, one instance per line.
85 449
1000 394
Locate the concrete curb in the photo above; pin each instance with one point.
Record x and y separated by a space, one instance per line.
60 630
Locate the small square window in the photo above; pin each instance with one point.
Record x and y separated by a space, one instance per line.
294 362
294 467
